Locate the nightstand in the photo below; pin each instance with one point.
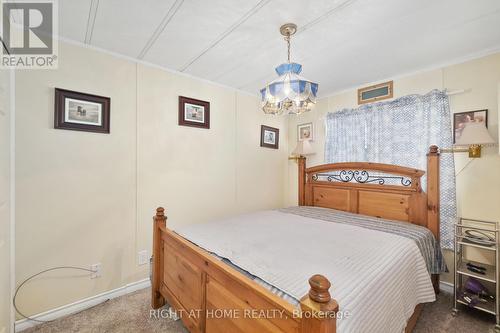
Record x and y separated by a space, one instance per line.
476 285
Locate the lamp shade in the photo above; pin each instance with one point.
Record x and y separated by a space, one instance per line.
290 92
303 148
474 133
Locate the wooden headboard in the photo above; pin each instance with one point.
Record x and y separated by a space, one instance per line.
381 190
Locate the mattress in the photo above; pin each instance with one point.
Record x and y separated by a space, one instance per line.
378 274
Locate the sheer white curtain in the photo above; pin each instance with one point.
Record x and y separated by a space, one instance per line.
398 132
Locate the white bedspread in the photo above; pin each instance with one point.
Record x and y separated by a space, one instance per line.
377 277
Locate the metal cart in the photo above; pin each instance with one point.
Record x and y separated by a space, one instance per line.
465 230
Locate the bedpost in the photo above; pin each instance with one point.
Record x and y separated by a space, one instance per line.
301 161
433 200
433 190
159 221
319 310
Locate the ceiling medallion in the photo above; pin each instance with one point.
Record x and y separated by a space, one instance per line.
289 93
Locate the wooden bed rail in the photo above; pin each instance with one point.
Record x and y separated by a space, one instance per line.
317 313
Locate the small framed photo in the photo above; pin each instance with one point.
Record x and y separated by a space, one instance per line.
460 119
269 137
81 112
193 112
305 132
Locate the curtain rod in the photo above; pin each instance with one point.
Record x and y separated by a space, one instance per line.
456 92
448 93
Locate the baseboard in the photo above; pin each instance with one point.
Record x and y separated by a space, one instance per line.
80 305
446 287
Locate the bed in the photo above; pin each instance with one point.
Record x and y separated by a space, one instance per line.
273 271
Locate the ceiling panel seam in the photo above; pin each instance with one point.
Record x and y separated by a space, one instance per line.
226 33
299 31
474 19
324 16
94 5
161 27
305 27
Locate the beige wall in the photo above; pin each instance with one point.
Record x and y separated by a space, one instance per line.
478 180
5 231
84 198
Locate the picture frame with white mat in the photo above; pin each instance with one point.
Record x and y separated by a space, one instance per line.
269 137
79 111
305 131
194 112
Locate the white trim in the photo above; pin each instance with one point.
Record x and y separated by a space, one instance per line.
81 305
457 92
12 199
457 61
447 287
149 64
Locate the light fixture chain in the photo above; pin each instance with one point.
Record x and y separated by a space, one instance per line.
288 45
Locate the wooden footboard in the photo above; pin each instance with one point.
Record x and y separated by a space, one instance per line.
211 296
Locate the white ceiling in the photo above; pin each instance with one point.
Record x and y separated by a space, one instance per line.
340 43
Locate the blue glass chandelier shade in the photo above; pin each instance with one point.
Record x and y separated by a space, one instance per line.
290 93
296 83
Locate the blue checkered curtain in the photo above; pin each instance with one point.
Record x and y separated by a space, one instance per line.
399 132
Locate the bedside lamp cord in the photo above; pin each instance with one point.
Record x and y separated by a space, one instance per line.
35 275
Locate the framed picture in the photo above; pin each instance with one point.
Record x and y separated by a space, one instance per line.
269 137
305 132
81 112
193 112
462 118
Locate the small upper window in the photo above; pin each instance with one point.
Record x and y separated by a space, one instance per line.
375 93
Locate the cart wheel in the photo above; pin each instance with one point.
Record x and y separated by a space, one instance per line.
454 312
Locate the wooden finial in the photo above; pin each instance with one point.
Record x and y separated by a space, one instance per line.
160 212
319 289
160 216
433 150
318 308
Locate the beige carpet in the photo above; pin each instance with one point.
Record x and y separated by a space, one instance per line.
130 313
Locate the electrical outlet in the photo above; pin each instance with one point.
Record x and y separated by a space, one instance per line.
142 257
97 271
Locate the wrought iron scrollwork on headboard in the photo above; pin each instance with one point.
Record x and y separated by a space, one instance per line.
360 176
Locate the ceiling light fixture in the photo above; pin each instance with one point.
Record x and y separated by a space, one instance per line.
289 93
